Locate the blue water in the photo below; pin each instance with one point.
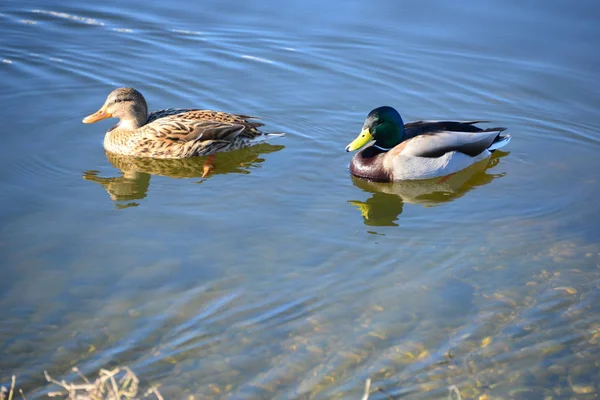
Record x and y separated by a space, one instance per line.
279 275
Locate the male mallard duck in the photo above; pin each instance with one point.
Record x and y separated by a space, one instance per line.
419 150
173 132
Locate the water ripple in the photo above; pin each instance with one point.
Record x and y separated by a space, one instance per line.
88 21
275 284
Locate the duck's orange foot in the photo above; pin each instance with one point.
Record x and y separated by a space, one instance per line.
208 165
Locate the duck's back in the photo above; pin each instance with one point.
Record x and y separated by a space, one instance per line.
417 128
251 127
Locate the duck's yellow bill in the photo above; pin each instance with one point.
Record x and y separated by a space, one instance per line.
97 116
363 138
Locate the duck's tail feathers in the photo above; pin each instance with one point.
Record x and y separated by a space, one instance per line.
496 129
266 136
274 134
499 142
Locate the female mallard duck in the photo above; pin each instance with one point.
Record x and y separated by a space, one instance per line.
419 150
173 132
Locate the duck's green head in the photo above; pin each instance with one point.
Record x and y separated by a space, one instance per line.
384 125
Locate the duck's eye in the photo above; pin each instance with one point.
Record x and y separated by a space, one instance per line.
118 100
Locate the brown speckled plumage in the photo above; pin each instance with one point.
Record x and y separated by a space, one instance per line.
172 132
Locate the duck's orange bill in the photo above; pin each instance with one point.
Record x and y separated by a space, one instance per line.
97 116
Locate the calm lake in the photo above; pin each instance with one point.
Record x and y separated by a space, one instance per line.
279 276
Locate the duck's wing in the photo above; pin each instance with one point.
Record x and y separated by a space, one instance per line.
416 128
154 115
182 130
192 116
435 138
436 144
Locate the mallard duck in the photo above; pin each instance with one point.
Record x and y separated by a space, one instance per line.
419 150
173 132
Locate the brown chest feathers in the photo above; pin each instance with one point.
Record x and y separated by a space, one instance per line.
368 164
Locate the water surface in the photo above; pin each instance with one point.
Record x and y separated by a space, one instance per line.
279 275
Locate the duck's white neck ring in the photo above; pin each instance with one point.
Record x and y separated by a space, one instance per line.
382 148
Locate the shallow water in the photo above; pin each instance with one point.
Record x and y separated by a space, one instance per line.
279 275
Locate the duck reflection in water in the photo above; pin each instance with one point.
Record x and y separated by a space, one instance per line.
134 181
385 205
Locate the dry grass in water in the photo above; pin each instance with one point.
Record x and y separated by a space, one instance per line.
117 384
6 394
453 393
123 384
